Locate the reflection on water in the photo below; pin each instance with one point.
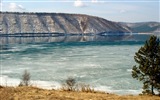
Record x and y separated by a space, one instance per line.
70 38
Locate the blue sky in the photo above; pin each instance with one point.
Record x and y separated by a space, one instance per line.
114 10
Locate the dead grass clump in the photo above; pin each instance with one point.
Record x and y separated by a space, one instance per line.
71 85
6 93
85 88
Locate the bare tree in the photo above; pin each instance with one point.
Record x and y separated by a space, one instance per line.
25 79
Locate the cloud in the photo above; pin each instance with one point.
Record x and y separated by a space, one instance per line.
79 3
99 1
16 7
1 5
94 1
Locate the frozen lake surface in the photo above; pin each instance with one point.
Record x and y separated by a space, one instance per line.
103 65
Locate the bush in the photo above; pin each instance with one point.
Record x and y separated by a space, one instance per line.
69 85
25 79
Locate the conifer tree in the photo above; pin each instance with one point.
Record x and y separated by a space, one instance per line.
147 69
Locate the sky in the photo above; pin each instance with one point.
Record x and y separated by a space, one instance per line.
113 10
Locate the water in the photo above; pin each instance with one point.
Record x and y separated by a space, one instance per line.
106 66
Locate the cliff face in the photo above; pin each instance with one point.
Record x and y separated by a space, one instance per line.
54 27
12 23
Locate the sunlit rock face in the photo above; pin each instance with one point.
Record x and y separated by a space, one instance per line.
29 27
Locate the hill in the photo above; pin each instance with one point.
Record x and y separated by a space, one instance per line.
143 27
15 22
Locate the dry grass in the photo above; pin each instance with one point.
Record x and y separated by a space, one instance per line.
71 85
6 93
86 88
33 93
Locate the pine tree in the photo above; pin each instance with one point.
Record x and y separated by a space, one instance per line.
147 69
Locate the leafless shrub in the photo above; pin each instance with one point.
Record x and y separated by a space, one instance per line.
69 85
25 79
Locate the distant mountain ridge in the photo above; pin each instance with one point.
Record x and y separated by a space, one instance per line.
27 27
15 22
143 27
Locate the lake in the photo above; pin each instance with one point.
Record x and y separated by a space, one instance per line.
104 65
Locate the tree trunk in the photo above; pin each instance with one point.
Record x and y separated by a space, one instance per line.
152 89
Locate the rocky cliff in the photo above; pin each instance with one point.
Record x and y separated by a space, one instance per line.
18 27
13 22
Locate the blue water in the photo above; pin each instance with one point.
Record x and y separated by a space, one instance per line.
105 66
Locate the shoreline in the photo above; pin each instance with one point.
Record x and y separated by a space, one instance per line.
33 93
48 85
52 86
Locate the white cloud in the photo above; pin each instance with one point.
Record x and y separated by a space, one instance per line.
16 7
79 3
99 1
94 1
1 5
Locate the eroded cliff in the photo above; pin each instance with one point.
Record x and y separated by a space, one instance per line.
12 22
18 27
